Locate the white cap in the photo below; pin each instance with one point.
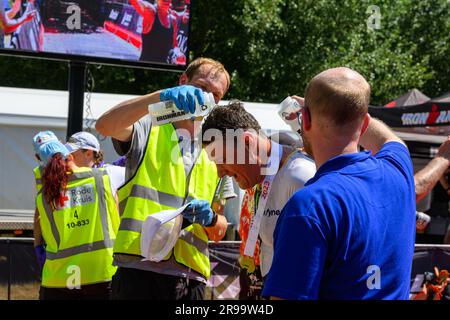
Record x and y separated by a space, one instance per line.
82 140
160 232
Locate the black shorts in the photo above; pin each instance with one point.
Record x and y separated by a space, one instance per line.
98 291
135 284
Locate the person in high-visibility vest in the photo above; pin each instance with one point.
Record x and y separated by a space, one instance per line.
41 142
86 152
79 220
167 168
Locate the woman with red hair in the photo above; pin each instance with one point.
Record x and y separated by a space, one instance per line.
79 219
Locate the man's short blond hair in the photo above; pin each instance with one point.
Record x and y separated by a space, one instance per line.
194 68
341 95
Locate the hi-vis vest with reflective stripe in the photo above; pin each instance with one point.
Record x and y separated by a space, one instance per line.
160 183
38 177
80 232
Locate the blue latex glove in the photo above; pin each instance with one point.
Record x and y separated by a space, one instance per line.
40 255
199 211
184 97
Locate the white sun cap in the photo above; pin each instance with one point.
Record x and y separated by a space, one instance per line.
160 232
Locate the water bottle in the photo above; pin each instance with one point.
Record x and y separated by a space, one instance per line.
422 221
289 111
166 111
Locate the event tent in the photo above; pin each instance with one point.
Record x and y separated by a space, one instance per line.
410 98
414 109
444 98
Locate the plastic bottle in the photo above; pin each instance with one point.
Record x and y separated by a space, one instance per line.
166 111
289 110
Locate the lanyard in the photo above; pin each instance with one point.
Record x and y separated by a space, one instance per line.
255 224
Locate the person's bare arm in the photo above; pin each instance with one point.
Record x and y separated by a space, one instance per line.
118 122
426 178
11 25
138 5
15 9
37 233
147 12
376 135
219 230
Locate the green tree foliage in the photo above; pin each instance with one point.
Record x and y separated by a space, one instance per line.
272 48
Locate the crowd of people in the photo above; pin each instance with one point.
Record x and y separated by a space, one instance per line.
334 219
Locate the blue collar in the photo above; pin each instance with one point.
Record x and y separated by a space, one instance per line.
338 163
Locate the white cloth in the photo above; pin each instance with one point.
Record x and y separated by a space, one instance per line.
116 176
291 177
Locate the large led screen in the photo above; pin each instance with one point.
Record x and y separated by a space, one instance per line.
133 32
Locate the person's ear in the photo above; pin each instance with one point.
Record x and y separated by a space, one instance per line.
183 79
90 154
249 139
252 147
306 119
365 124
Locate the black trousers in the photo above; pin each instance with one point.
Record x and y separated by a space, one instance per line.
135 284
251 284
98 291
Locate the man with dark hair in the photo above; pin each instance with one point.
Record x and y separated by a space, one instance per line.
166 168
349 233
233 140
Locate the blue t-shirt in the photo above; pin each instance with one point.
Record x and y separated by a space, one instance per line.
349 233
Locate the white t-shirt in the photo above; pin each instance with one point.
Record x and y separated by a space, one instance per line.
291 177
116 176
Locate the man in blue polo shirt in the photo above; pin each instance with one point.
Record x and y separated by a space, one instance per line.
349 233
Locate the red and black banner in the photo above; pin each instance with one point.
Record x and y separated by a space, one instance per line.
426 114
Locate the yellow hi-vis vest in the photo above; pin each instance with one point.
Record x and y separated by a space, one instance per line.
38 171
160 183
80 232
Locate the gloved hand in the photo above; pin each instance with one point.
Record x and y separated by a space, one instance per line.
199 211
184 97
40 255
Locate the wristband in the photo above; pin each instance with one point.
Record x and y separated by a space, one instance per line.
214 220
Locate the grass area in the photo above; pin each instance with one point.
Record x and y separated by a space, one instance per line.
24 291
